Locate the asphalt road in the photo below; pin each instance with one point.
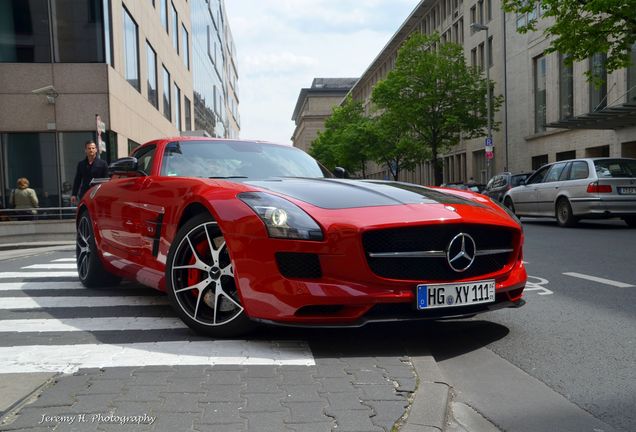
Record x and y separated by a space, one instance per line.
566 360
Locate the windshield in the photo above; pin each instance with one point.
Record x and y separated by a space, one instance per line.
615 168
238 159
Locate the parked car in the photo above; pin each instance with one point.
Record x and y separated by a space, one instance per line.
238 232
472 187
591 188
501 183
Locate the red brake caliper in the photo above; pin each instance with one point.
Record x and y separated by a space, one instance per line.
195 275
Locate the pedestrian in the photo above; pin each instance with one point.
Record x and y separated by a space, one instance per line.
87 169
24 198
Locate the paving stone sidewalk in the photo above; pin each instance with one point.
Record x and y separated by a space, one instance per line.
365 394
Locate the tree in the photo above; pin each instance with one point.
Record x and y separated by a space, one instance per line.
434 97
583 28
345 139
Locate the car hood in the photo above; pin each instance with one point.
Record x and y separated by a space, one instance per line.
346 194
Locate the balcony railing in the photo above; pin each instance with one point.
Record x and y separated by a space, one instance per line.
40 213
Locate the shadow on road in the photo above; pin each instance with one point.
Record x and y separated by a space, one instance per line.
444 339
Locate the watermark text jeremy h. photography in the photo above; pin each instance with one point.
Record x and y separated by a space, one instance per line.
109 418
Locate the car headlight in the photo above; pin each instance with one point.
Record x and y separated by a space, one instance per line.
507 210
282 218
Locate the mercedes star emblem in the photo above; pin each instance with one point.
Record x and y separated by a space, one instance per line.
461 252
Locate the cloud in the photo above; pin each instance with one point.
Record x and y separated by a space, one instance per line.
283 44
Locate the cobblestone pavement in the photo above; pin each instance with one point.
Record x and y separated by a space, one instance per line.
352 394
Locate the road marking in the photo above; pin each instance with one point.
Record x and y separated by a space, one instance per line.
53 266
26 275
70 358
538 285
11 303
64 260
91 324
22 286
599 280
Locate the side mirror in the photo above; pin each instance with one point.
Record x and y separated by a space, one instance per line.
124 166
340 172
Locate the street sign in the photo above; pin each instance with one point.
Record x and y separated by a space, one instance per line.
488 141
489 155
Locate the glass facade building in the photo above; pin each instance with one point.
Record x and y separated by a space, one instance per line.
64 62
214 70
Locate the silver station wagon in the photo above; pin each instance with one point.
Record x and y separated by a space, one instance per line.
591 188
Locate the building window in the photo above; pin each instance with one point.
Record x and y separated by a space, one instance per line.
539 93
489 10
32 155
539 161
185 51
177 107
77 31
481 56
175 29
598 94
132 145
473 16
24 31
566 155
489 54
631 78
461 30
187 113
131 51
151 55
521 20
473 57
566 89
164 14
532 15
167 105
480 11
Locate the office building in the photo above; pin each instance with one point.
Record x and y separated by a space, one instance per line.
65 64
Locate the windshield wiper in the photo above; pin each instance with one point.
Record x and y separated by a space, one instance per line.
226 177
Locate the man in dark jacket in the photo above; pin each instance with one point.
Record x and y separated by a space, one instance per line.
87 169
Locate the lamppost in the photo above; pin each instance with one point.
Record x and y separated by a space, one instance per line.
480 27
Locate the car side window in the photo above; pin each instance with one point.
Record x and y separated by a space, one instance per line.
539 175
555 172
145 157
579 170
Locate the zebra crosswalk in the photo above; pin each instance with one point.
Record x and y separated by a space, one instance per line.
50 323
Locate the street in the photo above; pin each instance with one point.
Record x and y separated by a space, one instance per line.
564 361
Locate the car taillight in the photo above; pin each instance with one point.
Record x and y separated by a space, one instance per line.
597 188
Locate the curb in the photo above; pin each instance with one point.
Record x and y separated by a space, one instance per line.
430 407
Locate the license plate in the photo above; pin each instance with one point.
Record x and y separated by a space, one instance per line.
455 294
627 190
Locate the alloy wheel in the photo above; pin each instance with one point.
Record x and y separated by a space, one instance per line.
83 247
202 277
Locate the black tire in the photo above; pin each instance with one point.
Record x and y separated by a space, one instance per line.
563 213
90 269
200 281
630 221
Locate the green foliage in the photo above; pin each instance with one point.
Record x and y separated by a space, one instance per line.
585 27
346 137
431 97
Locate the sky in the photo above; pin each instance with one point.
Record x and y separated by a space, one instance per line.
282 45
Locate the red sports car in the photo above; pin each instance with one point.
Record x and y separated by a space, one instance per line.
241 232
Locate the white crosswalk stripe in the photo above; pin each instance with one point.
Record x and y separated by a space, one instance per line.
22 286
90 324
18 302
13 303
53 266
27 275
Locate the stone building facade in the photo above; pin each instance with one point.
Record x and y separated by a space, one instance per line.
314 105
550 111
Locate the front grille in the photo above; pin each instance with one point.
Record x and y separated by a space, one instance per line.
298 265
435 238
